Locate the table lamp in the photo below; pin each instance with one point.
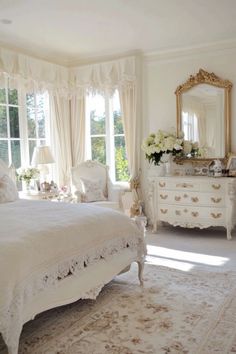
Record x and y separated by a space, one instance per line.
42 156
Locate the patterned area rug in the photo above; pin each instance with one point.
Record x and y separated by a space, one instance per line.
176 312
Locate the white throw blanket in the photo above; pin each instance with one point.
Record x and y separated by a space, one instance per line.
44 242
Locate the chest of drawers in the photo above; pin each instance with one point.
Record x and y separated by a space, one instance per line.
193 201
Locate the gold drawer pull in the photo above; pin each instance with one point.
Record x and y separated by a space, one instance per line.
163 196
216 216
177 212
177 198
216 186
164 211
216 200
195 213
185 195
184 185
162 184
195 199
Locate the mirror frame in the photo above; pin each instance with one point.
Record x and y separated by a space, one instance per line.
203 77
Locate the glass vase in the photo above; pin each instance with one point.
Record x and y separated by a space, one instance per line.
27 187
168 165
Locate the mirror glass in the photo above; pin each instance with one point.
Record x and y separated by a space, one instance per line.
203 113
202 119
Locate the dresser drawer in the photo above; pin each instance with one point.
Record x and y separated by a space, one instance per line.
178 184
213 185
178 197
169 213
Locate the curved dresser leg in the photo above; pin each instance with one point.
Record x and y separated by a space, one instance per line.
229 237
140 271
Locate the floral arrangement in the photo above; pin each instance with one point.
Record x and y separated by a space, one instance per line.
26 174
158 146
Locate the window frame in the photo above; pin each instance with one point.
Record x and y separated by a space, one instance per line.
23 124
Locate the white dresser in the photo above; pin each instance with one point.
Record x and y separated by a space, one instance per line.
191 201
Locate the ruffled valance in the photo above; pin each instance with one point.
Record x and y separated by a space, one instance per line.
33 74
103 76
39 75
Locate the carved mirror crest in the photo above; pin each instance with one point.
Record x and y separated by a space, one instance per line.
203 113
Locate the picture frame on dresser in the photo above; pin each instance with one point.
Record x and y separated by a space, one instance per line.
231 165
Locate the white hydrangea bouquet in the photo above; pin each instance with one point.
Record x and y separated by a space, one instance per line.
26 174
157 146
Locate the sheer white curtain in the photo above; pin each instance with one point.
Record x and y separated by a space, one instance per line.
128 103
61 137
77 120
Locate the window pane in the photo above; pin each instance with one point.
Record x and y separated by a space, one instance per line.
4 151
3 122
31 128
115 106
32 144
12 97
118 124
96 107
2 95
98 146
42 142
30 102
121 163
14 122
15 151
41 115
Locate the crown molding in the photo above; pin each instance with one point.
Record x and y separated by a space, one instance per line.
101 59
186 52
45 58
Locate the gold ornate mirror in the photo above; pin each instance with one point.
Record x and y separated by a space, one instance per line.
203 113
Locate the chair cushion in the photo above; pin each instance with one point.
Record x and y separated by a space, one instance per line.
92 190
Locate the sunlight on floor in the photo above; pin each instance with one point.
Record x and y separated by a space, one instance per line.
181 260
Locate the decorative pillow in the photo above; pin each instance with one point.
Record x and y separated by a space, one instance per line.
8 191
92 190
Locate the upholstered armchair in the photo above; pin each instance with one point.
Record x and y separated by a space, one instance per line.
91 183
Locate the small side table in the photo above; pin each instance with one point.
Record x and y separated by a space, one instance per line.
36 195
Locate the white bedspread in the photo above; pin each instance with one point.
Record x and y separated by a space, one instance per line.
43 242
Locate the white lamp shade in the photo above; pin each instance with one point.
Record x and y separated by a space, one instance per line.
42 155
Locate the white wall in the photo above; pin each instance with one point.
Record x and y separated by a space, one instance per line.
161 78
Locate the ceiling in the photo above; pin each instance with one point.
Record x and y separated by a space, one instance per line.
70 32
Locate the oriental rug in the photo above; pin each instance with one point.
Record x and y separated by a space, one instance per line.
176 312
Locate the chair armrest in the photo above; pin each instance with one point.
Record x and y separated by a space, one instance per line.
115 193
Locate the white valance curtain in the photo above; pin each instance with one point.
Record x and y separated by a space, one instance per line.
101 77
36 75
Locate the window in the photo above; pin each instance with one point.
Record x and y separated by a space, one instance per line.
10 143
37 112
23 125
190 126
105 134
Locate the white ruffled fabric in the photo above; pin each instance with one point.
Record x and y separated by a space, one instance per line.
8 191
42 243
39 75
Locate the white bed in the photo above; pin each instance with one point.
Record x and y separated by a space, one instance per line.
56 253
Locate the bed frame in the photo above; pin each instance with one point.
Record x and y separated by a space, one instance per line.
87 285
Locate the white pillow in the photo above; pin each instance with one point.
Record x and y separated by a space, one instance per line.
8 191
92 190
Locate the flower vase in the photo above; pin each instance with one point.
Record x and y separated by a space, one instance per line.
27 187
168 165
